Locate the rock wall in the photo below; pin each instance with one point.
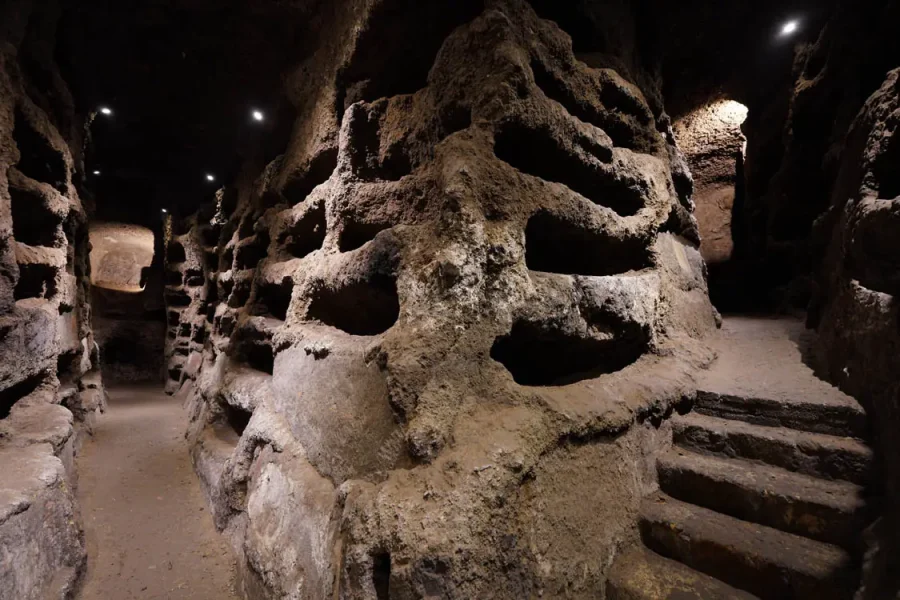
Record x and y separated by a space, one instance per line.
428 350
713 145
191 296
859 287
119 254
50 386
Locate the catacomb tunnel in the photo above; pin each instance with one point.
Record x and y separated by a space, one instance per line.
397 299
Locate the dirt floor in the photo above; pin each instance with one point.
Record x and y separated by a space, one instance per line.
149 533
769 357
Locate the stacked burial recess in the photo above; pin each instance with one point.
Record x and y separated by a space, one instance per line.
387 339
50 384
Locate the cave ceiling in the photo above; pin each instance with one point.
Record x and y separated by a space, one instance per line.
182 77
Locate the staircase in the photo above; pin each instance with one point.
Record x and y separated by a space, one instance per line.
763 494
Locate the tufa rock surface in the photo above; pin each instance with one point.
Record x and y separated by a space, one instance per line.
423 349
858 316
50 386
713 145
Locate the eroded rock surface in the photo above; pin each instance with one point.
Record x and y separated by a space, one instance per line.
859 320
119 254
50 387
423 348
713 144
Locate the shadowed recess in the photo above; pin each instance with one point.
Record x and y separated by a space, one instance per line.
258 355
356 234
307 234
302 184
536 152
249 254
14 393
273 299
175 253
554 244
381 575
536 354
622 133
360 308
36 281
39 160
33 223
236 417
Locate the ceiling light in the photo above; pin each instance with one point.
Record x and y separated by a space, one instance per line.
257 115
96 172
210 177
790 27
164 211
106 110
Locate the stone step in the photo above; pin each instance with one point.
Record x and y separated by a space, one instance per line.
824 510
840 419
752 557
813 454
644 575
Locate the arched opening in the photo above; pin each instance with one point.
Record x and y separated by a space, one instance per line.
714 145
119 255
127 296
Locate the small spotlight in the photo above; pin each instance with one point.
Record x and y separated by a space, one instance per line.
789 28
210 177
106 110
164 211
257 115
96 172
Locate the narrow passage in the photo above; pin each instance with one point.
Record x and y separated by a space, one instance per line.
149 533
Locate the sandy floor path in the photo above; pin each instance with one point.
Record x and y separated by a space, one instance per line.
149 533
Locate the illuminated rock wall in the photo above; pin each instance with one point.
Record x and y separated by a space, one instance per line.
119 254
127 298
713 145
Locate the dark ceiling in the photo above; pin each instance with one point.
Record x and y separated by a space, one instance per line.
181 77
698 48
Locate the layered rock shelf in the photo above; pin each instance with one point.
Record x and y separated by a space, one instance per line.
51 390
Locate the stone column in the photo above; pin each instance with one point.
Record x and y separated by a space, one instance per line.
446 323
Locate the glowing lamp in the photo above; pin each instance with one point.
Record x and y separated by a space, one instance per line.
789 28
